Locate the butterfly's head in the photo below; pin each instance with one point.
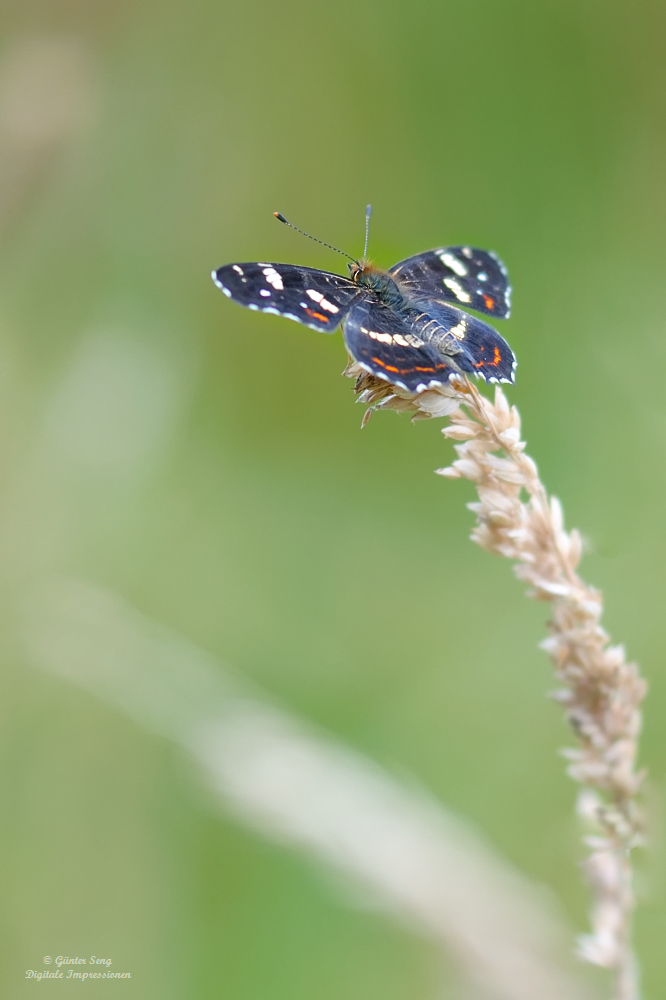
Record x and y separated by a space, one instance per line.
363 272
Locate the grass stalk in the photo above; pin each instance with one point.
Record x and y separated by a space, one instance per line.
599 690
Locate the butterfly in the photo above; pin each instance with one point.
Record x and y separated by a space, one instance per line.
403 325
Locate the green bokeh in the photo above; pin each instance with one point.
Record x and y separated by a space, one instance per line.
329 565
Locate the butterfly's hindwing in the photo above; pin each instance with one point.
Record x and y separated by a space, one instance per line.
384 343
489 354
469 277
450 330
319 299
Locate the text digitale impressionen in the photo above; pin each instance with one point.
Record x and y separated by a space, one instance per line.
65 960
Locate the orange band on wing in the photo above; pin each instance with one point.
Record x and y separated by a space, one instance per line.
320 316
405 371
497 359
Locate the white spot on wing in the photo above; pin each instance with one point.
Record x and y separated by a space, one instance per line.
238 269
264 291
456 265
273 278
457 290
321 301
482 276
459 329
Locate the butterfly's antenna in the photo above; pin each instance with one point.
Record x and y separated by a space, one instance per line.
281 218
368 211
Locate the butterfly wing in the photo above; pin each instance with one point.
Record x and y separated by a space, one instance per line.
483 351
473 278
384 343
319 299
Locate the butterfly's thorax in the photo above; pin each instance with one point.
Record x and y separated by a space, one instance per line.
381 283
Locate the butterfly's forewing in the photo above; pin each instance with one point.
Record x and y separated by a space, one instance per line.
472 278
383 342
319 299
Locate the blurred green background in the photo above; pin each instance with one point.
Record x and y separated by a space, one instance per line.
207 463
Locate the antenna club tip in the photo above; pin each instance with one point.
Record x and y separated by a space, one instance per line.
280 217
